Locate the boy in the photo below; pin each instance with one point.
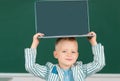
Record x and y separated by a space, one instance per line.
67 69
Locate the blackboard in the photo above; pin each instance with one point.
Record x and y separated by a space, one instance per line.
17 26
62 18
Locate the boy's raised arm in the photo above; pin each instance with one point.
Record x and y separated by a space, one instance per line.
30 59
98 60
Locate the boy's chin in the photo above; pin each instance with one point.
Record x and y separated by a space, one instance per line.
69 65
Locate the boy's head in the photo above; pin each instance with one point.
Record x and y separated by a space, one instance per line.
66 51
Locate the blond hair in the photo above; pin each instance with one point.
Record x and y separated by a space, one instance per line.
65 39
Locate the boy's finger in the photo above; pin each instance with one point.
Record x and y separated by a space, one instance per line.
90 37
92 34
40 34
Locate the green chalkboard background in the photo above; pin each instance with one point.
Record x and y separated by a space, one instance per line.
17 26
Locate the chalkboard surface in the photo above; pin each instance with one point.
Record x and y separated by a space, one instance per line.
62 18
17 26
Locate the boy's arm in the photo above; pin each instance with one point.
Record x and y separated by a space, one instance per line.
99 59
31 66
30 59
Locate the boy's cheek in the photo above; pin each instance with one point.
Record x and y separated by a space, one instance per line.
76 57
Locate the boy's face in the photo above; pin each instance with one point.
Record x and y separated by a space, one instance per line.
67 53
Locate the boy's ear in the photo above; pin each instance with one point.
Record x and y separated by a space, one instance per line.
55 54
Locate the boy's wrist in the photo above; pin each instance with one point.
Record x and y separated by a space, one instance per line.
34 44
94 43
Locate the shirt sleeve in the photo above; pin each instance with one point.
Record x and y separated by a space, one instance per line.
31 66
98 61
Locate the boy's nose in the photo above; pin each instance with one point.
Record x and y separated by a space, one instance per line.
69 54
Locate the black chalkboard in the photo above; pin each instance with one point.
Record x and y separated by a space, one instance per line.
62 18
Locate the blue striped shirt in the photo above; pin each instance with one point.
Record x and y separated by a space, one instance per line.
52 72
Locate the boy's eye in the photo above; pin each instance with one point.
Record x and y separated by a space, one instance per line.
73 52
63 51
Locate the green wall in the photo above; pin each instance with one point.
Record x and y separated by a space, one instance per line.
17 26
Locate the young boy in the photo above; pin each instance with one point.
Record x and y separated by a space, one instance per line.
66 51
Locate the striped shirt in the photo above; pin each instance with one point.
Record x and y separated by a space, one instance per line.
52 72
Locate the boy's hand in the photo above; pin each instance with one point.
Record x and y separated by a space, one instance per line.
92 39
36 40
